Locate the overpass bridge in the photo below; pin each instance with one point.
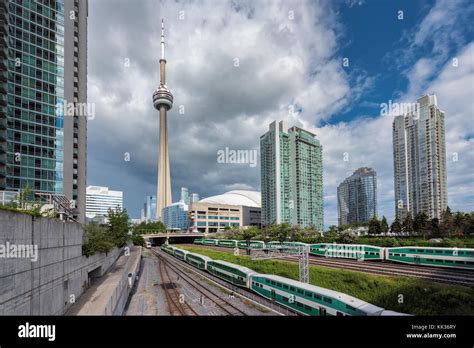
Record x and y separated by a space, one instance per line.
172 237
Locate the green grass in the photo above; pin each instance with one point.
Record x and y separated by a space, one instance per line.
418 297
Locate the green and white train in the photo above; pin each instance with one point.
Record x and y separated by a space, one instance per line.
431 256
347 251
301 297
462 258
310 299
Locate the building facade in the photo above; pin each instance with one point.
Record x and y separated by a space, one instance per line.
231 209
100 199
291 177
175 216
419 160
357 197
43 90
149 209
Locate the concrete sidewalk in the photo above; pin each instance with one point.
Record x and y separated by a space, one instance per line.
96 299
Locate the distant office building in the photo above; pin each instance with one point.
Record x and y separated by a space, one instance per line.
292 177
43 72
419 160
194 198
232 209
100 199
185 195
357 197
175 216
149 209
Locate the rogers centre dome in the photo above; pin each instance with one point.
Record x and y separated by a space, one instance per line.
236 197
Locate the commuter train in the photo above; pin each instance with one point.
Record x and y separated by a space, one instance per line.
462 258
301 297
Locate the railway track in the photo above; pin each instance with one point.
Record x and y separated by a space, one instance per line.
242 293
440 275
176 307
211 295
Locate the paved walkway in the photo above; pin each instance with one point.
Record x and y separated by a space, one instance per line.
95 299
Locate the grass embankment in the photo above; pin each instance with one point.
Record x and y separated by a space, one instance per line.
417 296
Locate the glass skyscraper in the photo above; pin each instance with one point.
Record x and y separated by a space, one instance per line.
357 197
419 160
43 69
291 177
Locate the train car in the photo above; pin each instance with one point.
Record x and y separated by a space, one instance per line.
431 256
347 251
230 272
310 299
254 244
180 253
293 246
209 242
197 260
274 245
168 249
198 240
227 243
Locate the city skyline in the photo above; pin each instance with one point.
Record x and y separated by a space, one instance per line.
347 120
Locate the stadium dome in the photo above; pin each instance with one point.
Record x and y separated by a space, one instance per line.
236 197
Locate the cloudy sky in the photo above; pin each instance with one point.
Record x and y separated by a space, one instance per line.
236 66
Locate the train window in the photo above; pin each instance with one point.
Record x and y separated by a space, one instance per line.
285 299
317 297
459 262
273 283
404 255
285 287
292 288
448 261
327 299
438 251
307 307
429 260
299 291
439 261
470 253
420 250
411 250
307 293
350 308
469 263
299 304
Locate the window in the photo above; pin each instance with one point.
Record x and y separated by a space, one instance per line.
307 293
327 299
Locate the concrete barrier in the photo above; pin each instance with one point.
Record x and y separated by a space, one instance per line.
50 284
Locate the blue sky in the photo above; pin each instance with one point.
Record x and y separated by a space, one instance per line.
283 62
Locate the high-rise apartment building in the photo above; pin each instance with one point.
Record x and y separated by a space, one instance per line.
291 177
43 94
419 160
357 197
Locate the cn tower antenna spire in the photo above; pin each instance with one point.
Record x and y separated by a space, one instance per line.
162 39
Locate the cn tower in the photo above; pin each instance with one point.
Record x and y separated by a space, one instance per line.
163 101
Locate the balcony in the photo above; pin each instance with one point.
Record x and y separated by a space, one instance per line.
3 77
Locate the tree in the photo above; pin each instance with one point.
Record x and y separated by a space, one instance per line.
434 227
384 225
420 223
407 225
149 227
446 225
118 226
374 226
97 239
395 227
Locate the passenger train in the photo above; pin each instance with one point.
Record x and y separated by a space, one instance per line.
462 258
300 297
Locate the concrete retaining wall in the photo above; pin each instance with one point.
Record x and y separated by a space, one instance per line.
61 273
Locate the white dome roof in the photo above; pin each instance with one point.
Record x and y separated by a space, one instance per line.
236 197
